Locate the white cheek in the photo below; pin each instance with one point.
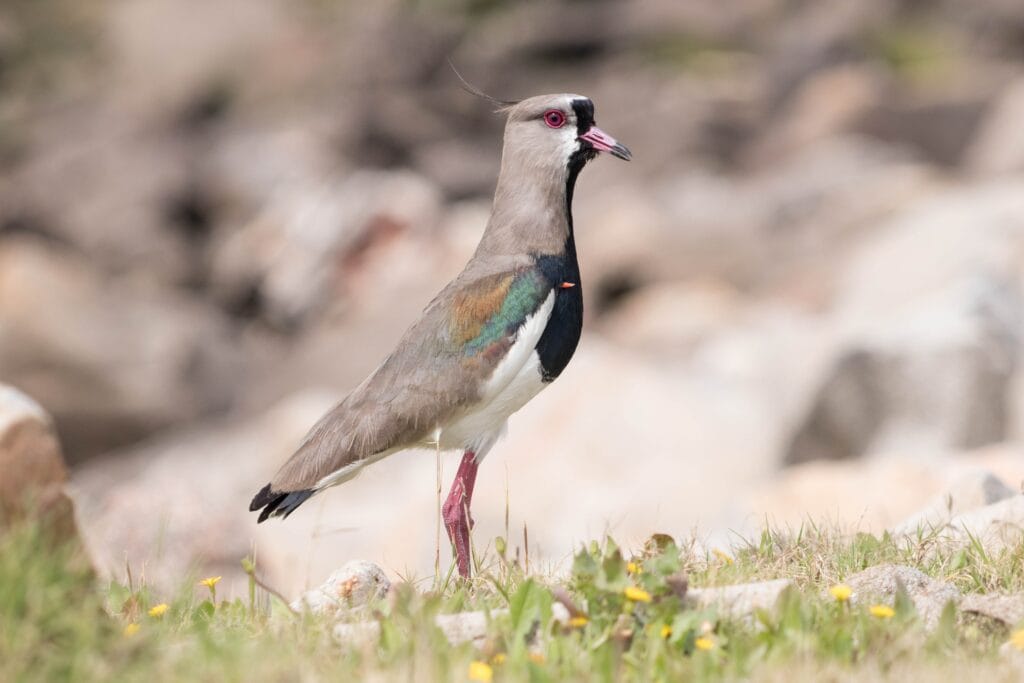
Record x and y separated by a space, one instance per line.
569 142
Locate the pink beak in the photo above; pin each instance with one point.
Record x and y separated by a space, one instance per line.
603 142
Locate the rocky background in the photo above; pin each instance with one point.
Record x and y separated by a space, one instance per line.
803 296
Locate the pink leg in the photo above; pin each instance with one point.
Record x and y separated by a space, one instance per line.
455 512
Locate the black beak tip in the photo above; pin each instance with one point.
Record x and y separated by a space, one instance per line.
622 152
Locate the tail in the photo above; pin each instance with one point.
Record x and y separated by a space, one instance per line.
278 504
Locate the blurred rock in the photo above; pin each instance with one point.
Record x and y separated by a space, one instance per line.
99 180
459 168
739 600
995 527
940 127
967 238
458 628
312 232
828 104
877 494
969 492
961 234
881 584
937 375
352 586
220 40
998 146
852 495
545 33
615 231
32 485
815 39
114 360
179 504
1008 610
671 316
778 224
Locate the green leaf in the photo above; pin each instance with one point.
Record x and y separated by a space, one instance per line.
529 608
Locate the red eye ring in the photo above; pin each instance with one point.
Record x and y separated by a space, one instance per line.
554 118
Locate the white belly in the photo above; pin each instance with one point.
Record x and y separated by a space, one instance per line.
515 381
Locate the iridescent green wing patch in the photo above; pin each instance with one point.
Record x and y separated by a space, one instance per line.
490 314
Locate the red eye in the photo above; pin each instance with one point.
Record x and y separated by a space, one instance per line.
554 118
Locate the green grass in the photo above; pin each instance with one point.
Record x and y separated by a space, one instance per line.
57 622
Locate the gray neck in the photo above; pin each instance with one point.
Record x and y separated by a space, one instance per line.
531 212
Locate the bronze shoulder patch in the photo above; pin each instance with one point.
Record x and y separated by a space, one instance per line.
475 305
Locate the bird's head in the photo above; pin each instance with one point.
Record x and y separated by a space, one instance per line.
550 134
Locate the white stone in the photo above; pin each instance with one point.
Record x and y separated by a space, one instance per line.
971 491
354 585
995 527
739 600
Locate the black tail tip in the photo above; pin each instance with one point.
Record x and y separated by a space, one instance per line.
261 498
277 503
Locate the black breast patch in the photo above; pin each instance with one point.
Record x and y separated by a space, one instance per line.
558 342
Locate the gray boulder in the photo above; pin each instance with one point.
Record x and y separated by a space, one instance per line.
1008 610
881 584
112 360
938 376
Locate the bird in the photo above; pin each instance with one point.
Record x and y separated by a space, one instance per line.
489 342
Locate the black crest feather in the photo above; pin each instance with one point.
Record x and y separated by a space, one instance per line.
473 90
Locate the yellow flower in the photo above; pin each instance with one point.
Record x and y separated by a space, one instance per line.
499 658
634 568
841 592
882 611
210 581
704 643
722 555
1017 639
480 671
637 594
666 631
131 629
578 622
158 611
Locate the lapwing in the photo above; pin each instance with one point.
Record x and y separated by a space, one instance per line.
493 338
